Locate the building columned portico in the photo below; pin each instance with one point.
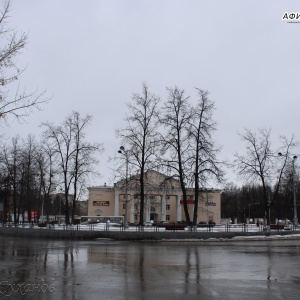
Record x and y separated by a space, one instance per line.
163 200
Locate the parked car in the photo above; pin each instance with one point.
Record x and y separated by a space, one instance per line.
206 224
182 222
162 224
148 223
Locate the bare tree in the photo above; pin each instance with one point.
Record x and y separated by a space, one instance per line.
203 152
47 172
83 160
29 175
139 137
12 43
5 193
75 155
260 163
175 144
11 162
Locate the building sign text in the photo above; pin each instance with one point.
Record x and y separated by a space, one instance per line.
100 203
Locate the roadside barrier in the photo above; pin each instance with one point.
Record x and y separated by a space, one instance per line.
172 227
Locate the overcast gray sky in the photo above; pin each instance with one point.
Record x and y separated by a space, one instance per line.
92 55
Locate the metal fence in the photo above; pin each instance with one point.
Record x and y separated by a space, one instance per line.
137 228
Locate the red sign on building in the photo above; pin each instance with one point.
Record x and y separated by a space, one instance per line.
188 201
34 214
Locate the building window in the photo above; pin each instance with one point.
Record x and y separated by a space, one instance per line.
168 197
124 205
167 217
135 217
168 207
136 206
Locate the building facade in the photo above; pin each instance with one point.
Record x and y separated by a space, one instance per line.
163 200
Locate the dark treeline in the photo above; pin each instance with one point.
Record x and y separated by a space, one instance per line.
32 172
247 202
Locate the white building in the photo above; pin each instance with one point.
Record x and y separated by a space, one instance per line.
163 200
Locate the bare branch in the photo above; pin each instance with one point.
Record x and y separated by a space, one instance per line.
22 103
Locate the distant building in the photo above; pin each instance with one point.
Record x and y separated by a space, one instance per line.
163 200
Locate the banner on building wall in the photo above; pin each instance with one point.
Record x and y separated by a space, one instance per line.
100 203
210 203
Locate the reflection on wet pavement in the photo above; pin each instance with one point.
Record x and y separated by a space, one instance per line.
48 269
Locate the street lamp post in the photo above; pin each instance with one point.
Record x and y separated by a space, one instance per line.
125 153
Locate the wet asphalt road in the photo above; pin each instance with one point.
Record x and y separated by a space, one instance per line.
48 269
